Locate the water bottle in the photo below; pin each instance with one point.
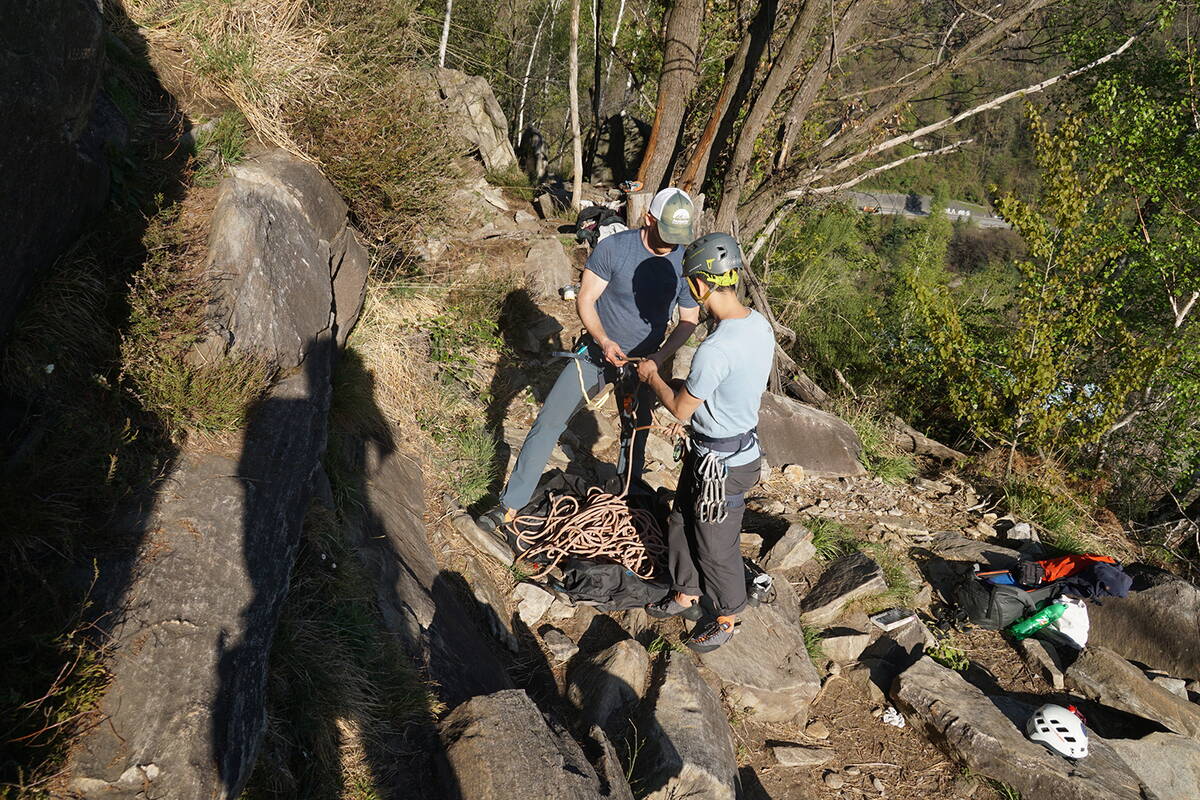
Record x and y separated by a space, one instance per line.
1027 626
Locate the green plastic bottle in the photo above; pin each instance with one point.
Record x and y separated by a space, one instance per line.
1027 626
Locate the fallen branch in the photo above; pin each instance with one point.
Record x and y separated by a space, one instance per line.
911 440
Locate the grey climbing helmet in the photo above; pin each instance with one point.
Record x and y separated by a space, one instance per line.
714 257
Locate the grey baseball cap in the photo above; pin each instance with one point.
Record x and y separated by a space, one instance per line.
675 214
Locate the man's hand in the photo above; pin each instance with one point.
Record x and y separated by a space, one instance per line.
613 353
647 370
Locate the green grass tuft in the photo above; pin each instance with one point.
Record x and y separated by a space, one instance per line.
1053 510
813 644
946 654
167 303
220 146
879 456
514 180
832 539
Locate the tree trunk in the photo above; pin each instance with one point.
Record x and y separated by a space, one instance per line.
445 34
817 75
573 89
738 78
678 78
764 101
537 35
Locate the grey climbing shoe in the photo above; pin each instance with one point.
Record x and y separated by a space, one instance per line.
709 635
669 607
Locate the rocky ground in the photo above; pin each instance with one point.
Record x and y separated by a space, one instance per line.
805 722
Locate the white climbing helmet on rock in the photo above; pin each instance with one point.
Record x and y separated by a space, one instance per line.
1059 729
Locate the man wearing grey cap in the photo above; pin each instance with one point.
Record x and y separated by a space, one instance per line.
631 285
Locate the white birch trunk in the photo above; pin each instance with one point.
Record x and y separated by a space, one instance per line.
573 89
445 34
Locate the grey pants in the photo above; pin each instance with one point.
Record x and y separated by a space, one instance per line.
706 557
563 402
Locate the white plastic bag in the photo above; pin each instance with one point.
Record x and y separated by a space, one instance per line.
1074 623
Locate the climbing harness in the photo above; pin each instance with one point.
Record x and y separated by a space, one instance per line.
711 470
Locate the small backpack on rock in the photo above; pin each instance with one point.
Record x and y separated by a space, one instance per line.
995 606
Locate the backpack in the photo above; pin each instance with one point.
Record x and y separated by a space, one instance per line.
591 220
996 606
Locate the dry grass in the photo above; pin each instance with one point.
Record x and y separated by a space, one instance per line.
263 54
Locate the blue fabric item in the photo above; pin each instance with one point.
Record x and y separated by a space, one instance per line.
1098 581
729 373
643 290
1001 579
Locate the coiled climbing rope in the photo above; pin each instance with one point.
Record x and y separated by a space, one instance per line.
600 525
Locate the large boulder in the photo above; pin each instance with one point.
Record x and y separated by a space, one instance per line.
283 262
474 113
619 149
1155 625
1100 674
548 268
499 747
845 580
1168 764
419 602
607 687
189 666
688 750
793 433
52 137
766 668
986 734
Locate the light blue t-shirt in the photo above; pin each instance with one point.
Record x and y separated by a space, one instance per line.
729 373
643 288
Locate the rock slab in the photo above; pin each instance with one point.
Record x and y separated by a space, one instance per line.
548 268
499 746
188 693
1155 625
793 433
1100 674
475 113
845 580
689 747
983 734
766 668
278 248
606 687
1168 764
794 549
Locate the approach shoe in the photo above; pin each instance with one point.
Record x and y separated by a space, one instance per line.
709 635
669 607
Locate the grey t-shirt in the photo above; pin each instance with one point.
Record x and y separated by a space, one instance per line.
729 373
642 291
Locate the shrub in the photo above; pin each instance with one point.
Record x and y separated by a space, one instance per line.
869 419
166 312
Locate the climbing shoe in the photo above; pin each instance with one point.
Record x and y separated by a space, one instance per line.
709 635
669 607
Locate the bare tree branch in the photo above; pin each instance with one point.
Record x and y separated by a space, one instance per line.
884 168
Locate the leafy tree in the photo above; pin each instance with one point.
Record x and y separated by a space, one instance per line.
1058 373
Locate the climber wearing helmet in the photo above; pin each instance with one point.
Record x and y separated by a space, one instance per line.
631 285
719 401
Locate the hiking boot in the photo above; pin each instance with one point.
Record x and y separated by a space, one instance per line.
709 635
669 607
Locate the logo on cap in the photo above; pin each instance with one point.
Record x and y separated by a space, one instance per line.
681 216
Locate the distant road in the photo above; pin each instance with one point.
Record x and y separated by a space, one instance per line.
913 205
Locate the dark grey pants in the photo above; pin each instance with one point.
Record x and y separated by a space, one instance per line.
706 557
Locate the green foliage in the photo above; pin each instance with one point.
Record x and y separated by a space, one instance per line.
813 644
220 146
831 539
946 654
1057 374
881 458
166 312
1056 513
513 180
663 644
455 340
900 586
